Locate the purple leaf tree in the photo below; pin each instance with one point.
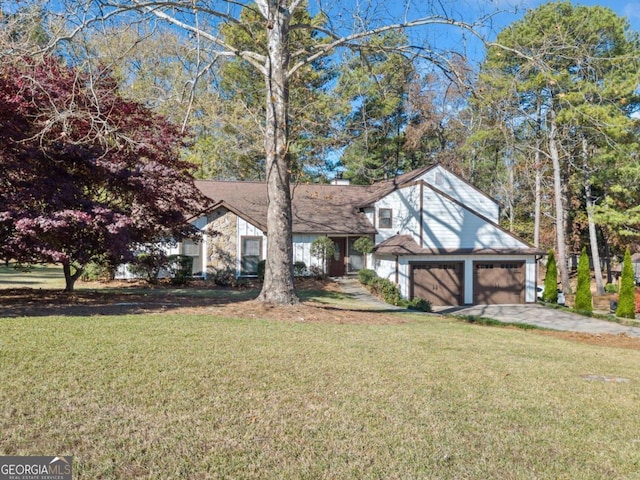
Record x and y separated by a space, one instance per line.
85 173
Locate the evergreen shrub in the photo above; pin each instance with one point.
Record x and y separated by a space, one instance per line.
584 301
147 265
299 269
626 300
611 288
420 304
550 293
262 265
366 276
181 269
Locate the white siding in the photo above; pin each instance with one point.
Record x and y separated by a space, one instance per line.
450 225
201 224
453 186
246 229
446 223
405 206
385 267
302 250
370 213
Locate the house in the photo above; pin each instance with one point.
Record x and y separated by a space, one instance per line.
436 236
635 264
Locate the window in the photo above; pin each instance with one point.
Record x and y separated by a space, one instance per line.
356 259
189 247
251 254
385 218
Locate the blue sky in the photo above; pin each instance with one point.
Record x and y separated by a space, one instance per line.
513 10
624 8
447 38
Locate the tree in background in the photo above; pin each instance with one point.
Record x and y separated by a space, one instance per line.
584 301
619 212
402 117
23 28
87 174
312 103
626 300
550 293
437 119
565 80
375 81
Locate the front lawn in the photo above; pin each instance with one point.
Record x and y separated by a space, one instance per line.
159 395
38 276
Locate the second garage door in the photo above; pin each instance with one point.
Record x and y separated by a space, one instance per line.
439 282
496 283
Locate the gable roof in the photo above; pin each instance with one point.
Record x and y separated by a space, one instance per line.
406 245
320 208
329 209
385 187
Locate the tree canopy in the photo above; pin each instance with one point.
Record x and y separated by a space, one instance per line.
87 173
557 91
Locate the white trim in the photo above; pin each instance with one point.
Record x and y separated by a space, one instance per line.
530 271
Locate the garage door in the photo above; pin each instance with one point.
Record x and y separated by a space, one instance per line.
441 283
496 283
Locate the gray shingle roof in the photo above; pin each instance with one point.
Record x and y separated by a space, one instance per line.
406 245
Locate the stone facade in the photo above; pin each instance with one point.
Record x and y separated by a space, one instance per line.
222 246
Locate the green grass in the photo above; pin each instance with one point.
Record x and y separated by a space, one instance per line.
490 322
51 277
167 396
338 299
229 294
39 276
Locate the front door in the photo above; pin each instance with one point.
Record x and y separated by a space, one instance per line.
336 262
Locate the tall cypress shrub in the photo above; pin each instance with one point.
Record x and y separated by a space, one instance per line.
550 293
626 300
584 301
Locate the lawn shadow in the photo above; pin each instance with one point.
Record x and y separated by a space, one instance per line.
197 297
29 302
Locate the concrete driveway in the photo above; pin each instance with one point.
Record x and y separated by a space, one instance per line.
530 314
541 316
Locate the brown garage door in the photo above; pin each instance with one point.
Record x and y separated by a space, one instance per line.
439 282
496 283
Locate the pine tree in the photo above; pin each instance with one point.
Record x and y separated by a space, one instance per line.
626 301
583 292
550 293
575 101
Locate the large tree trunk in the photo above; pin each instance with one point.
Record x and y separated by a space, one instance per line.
593 239
278 284
559 206
593 236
